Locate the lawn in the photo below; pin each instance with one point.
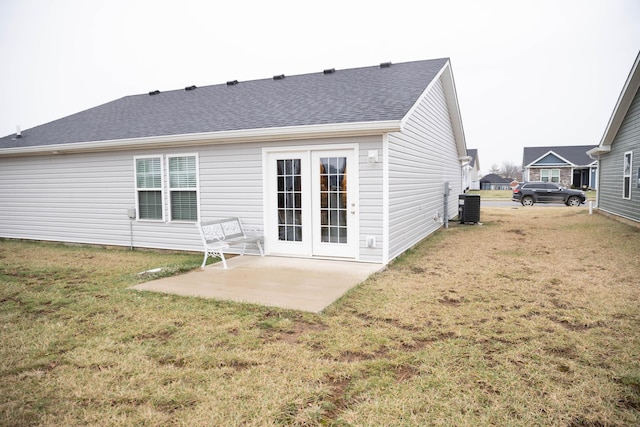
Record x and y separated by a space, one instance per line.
530 319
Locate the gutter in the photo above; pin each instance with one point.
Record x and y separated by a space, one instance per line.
207 138
598 151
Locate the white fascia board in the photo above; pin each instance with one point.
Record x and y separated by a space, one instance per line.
567 162
207 138
451 96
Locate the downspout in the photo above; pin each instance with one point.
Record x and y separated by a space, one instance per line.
447 190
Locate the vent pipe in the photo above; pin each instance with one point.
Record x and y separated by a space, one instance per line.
385 65
232 82
18 132
329 71
190 87
279 77
154 92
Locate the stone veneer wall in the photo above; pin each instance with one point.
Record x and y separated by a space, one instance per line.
566 177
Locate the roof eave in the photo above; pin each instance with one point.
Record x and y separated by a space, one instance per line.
232 136
599 150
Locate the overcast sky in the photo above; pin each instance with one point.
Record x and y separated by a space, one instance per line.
527 73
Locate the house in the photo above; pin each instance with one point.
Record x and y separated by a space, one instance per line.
618 154
568 165
474 169
351 164
493 181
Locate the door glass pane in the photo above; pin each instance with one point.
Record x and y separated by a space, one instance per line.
289 200
333 199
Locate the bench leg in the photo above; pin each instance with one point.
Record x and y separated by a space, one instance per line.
260 248
224 261
204 261
207 254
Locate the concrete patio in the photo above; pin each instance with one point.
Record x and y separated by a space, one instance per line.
290 283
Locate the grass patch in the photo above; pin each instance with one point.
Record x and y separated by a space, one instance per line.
528 320
492 194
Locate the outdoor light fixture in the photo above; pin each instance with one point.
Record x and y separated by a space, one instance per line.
372 156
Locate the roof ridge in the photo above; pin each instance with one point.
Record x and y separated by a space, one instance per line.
292 76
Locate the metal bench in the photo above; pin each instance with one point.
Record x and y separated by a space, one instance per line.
219 235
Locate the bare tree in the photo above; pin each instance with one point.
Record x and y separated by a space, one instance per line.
510 171
495 169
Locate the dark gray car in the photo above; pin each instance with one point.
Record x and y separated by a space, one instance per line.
529 193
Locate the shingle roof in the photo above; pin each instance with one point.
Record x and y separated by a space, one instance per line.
493 178
576 154
473 153
344 96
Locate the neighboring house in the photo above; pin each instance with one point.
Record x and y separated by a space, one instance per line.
618 154
348 164
569 165
474 169
494 182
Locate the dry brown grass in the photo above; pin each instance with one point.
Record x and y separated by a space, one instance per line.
528 320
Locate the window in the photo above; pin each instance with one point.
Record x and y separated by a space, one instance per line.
550 175
149 187
533 186
183 188
626 175
182 185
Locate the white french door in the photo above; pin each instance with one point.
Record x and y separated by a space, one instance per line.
312 203
334 205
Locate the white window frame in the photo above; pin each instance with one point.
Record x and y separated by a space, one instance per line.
170 190
139 189
551 175
627 168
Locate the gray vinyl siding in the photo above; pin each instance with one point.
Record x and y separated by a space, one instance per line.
83 198
371 201
611 185
421 159
74 198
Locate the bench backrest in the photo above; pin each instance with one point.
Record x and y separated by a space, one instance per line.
221 229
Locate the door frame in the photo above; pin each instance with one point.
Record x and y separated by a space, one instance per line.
305 249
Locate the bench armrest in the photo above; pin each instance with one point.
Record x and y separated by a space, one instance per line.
253 231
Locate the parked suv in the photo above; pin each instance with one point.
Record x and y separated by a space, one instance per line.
529 193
